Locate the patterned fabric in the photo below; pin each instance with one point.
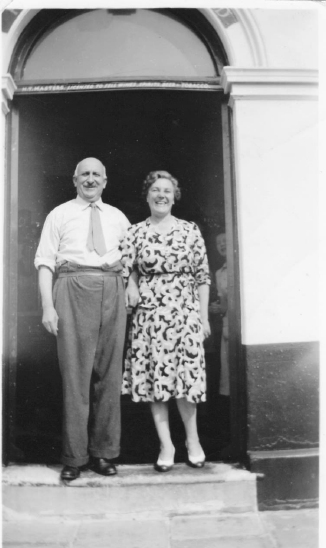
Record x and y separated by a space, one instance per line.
165 354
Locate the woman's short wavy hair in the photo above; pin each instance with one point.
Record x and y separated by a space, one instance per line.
153 176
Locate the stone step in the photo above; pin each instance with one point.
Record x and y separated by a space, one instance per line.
35 490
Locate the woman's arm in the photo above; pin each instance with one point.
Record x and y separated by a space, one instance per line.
203 292
130 274
132 292
221 284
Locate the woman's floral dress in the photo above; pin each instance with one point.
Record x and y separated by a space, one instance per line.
165 354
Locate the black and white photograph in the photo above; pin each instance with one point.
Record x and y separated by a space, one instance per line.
161 288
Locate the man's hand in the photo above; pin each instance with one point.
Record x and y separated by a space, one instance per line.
50 317
50 320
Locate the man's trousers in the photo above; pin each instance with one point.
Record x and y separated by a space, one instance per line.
91 332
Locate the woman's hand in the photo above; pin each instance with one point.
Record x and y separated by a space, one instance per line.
206 328
132 292
218 307
215 308
132 295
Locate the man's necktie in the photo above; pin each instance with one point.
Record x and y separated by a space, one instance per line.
95 240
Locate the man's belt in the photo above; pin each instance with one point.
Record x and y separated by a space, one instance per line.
74 269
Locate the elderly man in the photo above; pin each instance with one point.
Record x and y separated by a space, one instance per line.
86 312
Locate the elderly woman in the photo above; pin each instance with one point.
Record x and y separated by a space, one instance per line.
165 355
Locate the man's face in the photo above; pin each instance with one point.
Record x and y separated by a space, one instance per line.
90 180
221 244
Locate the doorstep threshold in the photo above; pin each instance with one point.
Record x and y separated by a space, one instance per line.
140 474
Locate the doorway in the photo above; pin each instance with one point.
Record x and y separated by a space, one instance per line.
132 132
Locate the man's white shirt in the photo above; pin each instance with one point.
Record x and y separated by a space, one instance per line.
65 232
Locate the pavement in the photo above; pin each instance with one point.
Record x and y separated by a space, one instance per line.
214 507
271 529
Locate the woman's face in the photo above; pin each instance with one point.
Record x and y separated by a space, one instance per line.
221 244
160 197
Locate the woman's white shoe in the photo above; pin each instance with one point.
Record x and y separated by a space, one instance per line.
197 461
164 465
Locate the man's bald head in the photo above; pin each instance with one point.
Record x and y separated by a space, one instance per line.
86 160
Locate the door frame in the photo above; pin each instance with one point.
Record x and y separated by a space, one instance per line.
237 449
238 399
10 281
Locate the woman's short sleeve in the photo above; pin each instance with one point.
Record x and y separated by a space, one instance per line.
201 267
128 253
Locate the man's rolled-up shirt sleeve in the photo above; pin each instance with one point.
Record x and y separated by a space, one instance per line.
48 247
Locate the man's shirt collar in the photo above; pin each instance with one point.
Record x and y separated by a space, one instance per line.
84 205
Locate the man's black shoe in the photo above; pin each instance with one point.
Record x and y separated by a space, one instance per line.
105 467
69 473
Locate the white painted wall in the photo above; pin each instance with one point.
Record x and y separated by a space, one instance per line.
277 192
276 156
290 36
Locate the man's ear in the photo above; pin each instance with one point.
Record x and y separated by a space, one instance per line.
74 179
105 182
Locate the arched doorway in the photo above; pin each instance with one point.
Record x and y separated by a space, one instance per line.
154 103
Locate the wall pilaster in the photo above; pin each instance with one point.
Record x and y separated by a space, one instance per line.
275 128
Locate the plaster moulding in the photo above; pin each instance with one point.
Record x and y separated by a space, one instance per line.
265 83
10 38
253 36
8 87
240 36
236 28
102 86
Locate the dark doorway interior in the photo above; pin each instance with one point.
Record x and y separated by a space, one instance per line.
132 132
